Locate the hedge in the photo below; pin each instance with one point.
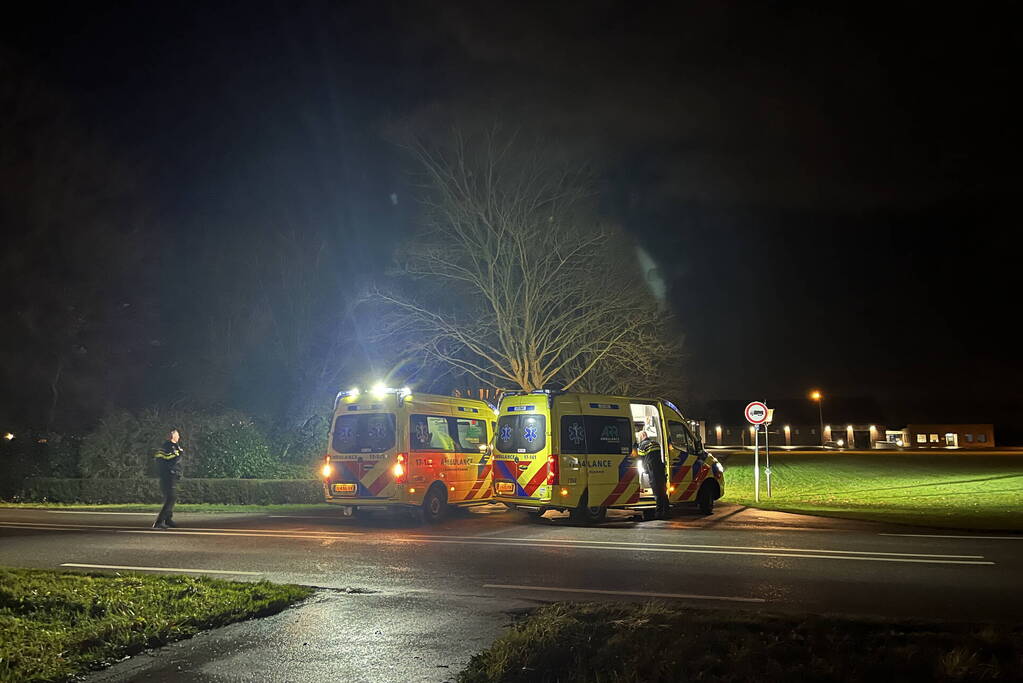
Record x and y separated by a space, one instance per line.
225 491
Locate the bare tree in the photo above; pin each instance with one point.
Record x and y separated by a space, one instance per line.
516 281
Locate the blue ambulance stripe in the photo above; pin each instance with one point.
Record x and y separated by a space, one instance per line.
504 468
352 471
517 409
677 465
624 465
605 406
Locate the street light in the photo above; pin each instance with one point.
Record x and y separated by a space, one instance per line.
819 397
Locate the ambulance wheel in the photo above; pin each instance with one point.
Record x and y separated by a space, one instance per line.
588 514
649 514
705 499
435 504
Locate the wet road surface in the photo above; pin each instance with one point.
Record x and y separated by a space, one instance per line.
410 602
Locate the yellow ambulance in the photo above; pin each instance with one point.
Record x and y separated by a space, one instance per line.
577 453
395 448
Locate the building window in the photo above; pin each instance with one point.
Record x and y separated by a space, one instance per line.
797 432
982 438
812 431
934 438
969 438
921 438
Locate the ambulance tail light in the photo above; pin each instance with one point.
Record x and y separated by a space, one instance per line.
553 470
400 469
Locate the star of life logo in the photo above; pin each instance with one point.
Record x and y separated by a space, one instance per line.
576 434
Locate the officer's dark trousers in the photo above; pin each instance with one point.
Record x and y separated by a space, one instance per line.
167 488
659 483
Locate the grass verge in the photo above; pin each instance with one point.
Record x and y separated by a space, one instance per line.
54 625
576 643
939 490
295 508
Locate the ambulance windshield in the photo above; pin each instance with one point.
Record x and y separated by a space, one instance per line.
367 433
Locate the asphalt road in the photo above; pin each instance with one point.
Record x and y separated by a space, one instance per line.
415 602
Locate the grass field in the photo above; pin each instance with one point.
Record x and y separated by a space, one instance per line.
630 643
54 625
180 507
940 490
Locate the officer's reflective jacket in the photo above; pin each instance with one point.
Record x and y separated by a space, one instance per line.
168 459
648 447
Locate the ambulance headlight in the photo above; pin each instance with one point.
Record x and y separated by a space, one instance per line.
326 470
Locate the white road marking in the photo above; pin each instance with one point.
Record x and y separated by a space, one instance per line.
706 552
716 547
629 593
972 538
800 553
166 532
495 532
86 512
158 569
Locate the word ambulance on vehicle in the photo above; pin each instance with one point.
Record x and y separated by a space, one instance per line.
392 448
577 453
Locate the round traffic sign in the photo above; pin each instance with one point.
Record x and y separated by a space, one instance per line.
756 413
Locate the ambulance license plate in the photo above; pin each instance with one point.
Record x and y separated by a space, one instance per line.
345 489
505 488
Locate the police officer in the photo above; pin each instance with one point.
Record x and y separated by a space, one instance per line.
653 463
168 466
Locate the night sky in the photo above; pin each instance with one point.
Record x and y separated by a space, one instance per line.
826 187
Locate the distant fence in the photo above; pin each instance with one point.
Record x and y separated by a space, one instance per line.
224 491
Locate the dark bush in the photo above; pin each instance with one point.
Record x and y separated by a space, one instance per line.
63 455
238 450
304 444
222 491
37 455
122 446
216 445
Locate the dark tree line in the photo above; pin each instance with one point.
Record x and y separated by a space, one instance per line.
74 263
111 304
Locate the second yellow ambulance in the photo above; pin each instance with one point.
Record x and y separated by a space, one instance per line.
577 452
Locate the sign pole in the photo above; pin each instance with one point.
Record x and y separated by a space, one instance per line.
756 463
757 414
767 456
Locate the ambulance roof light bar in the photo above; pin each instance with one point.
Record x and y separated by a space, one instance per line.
523 392
378 391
